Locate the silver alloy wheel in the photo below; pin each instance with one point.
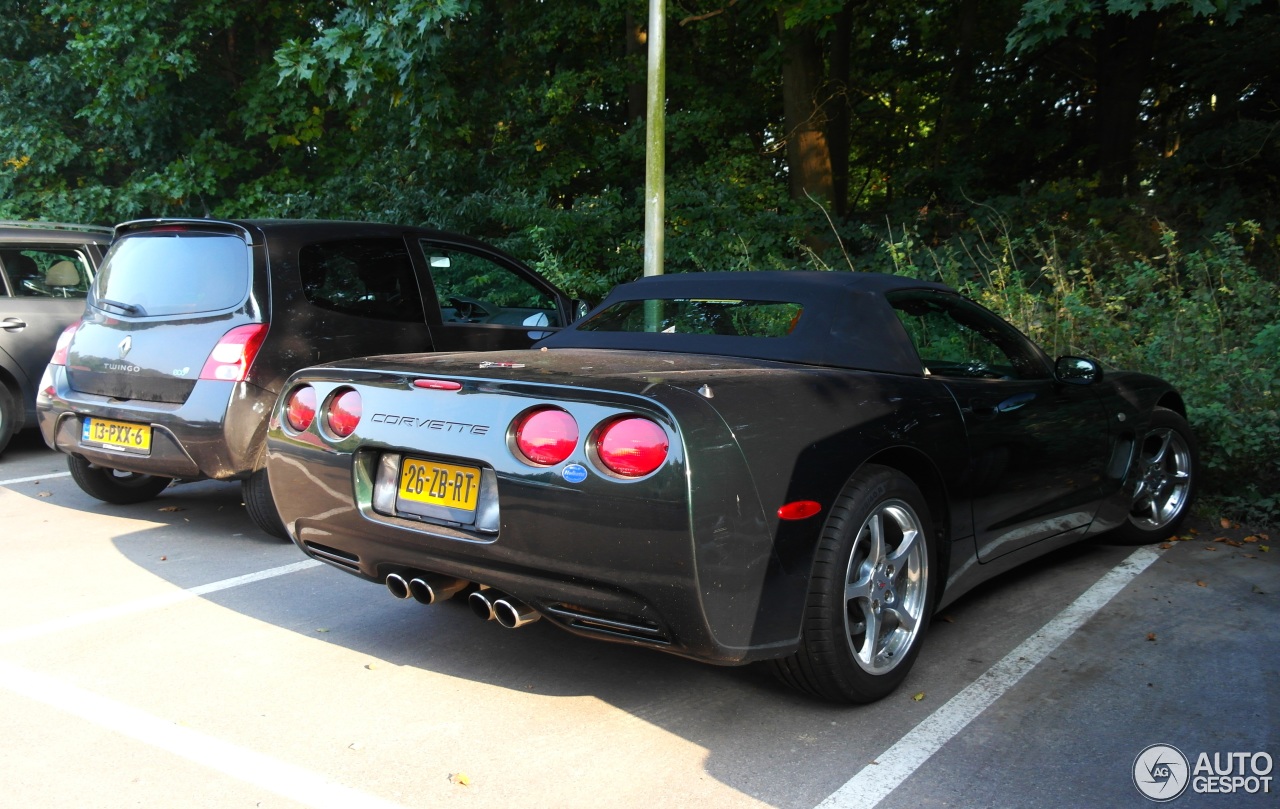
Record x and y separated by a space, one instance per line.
885 587
1164 479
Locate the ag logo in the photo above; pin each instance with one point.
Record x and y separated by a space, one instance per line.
1160 772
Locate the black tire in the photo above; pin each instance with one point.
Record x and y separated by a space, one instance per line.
854 584
256 491
113 485
1165 477
8 415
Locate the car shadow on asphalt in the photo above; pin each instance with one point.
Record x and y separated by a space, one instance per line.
757 734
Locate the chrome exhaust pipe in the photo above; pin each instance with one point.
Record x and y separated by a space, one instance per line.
514 614
481 603
429 588
397 586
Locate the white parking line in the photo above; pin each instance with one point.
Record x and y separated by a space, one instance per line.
144 604
875 781
282 778
34 478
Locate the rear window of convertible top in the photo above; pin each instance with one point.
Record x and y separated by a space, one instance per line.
733 318
176 272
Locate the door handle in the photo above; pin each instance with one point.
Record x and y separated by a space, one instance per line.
13 324
1014 402
1007 406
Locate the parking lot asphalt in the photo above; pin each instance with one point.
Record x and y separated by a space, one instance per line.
168 654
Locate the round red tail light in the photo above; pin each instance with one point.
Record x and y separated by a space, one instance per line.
632 447
344 412
546 436
300 407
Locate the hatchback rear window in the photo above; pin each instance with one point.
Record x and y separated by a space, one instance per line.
174 273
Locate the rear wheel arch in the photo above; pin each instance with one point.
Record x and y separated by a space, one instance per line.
871 591
10 382
916 466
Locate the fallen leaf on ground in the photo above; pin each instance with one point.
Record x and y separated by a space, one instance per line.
1219 539
1224 522
1164 546
459 778
44 494
1151 636
918 697
1209 548
1250 538
171 508
371 666
1264 548
1201 584
1234 543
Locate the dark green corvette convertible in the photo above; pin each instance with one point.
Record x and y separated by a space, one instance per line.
793 467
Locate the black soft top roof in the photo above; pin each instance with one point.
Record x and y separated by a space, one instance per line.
847 322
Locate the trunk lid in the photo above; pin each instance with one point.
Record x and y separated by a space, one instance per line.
165 297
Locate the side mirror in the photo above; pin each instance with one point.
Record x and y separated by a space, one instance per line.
1076 371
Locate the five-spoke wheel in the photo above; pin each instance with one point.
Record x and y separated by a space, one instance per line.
871 593
1163 480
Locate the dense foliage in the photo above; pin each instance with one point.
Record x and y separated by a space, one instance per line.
1082 165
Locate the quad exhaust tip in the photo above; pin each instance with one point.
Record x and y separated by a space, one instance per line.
425 588
488 604
492 605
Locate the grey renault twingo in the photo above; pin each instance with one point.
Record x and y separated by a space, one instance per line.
192 326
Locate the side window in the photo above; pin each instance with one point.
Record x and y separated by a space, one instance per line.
363 277
955 337
35 272
473 289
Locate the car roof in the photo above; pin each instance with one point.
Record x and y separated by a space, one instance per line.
846 323
53 233
307 229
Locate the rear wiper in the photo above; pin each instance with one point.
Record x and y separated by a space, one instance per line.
129 308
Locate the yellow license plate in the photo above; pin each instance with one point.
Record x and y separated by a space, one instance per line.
440 484
117 435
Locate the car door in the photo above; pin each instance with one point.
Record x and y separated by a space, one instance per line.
364 298
44 291
484 300
1038 449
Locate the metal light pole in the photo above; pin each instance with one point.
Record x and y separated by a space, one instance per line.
655 188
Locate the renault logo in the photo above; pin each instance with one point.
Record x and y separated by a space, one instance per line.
124 346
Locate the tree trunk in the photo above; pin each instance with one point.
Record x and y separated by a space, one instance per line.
840 115
808 155
1125 49
636 39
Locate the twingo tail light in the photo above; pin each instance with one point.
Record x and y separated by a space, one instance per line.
632 447
300 407
342 413
545 436
63 347
231 357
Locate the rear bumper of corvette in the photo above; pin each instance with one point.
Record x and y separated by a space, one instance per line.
608 567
